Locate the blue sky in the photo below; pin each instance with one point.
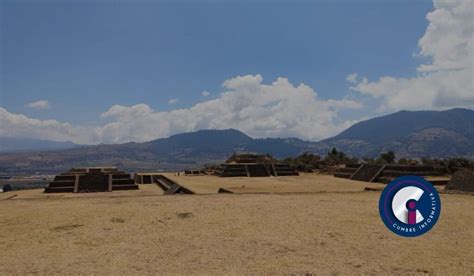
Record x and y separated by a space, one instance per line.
84 57
97 55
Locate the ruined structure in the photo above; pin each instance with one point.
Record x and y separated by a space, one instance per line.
254 165
462 180
91 179
171 187
386 173
146 178
194 172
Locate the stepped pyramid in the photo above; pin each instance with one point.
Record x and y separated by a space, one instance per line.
91 179
253 165
386 173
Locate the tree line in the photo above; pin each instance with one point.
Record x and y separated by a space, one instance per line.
308 162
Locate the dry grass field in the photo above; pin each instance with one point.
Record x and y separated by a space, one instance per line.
312 224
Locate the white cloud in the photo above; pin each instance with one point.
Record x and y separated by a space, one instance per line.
352 78
173 101
279 109
205 93
42 104
18 125
447 80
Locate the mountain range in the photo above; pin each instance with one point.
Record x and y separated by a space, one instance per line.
14 144
412 134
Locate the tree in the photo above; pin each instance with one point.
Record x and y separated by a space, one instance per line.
403 161
387 157
306 162
335 157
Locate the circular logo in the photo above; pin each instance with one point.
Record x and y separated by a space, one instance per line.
409 206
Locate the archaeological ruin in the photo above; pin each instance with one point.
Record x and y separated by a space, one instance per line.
254 165
91 179
146 177
388 172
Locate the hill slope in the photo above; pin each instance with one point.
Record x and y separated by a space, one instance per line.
410 134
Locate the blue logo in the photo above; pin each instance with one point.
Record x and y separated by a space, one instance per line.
409 206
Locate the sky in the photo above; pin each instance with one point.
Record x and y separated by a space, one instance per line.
118 71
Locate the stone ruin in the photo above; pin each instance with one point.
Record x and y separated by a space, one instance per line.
146 178
388 172
254 165
169 186
91 179
462 180
194 172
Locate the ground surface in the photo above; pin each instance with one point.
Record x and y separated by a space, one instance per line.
142 232
284 184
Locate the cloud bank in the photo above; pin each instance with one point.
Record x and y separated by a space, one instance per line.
279 109
444 82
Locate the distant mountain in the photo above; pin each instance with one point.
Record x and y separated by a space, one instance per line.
11 144
186 150
410 134
219 144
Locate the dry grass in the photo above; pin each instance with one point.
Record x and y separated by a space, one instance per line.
140 233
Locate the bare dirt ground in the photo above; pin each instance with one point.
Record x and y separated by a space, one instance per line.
305 183
141 232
